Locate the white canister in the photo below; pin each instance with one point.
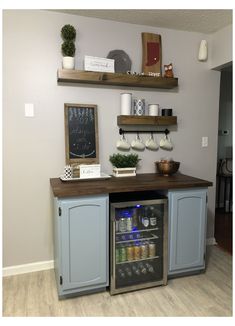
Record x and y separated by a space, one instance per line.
153 109
126 103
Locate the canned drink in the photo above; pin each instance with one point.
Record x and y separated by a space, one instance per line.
122 224
144 251
122 254
152 249
130 252
136 252
117 253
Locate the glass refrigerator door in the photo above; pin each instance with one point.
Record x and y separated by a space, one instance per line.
138 254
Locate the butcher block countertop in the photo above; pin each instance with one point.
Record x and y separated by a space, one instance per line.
141 182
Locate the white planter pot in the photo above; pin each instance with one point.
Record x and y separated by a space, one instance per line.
68 62
124 172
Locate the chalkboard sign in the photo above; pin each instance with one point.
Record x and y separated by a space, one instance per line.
81 133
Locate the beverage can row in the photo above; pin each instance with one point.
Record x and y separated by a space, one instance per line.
135 251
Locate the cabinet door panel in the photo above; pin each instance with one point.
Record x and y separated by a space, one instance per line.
84 243
187 229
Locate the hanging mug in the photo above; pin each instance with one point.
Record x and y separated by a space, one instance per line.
165 143
137 143
151 143
123 144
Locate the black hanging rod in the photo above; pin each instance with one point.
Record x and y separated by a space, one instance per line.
121 131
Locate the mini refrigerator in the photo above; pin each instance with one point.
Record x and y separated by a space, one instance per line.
139 237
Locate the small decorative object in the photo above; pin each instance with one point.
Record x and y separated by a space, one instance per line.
167 167
202 54
68 172
68 34
168 71
166 112
152 53
122 62
124 165
153 109
89 171
81 134
139 107
126 103
98 64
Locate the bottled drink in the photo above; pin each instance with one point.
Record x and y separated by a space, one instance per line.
153 217
122 224
135 219
149 268
129 224
121 273
128 271
143 269
145 219
136 270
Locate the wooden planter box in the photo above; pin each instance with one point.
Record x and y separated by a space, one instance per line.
124 172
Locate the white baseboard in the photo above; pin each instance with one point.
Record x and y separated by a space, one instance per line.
211 241
28 268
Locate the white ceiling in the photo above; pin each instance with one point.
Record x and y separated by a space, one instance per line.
202 21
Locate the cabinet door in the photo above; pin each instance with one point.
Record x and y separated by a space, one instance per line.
187 227
84 242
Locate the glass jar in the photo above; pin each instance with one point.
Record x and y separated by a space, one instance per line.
122 224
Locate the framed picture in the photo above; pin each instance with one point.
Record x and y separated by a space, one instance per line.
152 54
81 133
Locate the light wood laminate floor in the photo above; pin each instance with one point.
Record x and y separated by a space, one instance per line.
205 294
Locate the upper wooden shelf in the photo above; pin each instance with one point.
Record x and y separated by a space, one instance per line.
115 79
146 120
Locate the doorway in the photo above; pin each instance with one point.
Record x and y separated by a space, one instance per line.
223 212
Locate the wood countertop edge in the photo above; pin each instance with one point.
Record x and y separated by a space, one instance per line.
142 182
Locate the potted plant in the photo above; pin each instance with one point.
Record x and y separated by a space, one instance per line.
124 165
68 34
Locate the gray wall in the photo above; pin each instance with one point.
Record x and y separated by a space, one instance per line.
33 148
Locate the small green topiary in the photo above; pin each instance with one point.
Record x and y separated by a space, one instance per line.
124 161
68 33
68 48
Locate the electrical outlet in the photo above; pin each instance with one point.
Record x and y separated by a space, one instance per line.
204 141
29 110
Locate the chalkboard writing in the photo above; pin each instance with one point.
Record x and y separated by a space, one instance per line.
81 133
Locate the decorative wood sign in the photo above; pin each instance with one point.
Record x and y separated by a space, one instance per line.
81 134
152 53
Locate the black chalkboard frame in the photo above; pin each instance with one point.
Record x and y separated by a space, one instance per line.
80 108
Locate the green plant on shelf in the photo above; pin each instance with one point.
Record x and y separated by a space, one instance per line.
124 161
68 34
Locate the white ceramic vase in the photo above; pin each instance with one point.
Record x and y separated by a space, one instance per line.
68 62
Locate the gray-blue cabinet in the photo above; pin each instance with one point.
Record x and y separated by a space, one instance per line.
81 234
187 230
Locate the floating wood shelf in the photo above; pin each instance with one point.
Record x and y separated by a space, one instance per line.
115 79
146 120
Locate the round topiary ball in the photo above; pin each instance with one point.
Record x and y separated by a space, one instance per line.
68 33
68 49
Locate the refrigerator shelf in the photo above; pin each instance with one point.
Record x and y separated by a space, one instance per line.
135 231
154 237
136 261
